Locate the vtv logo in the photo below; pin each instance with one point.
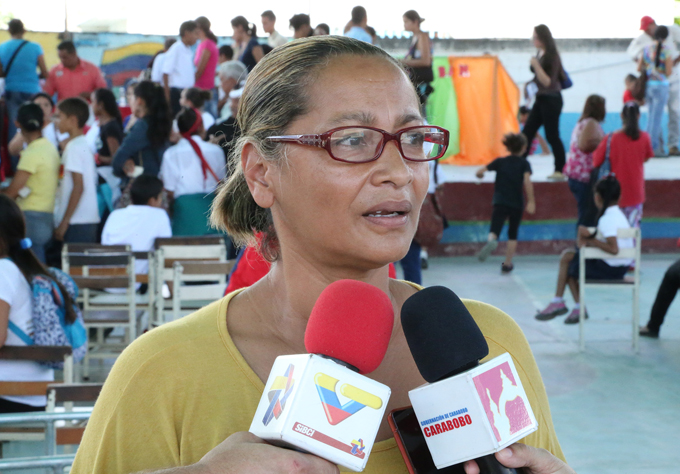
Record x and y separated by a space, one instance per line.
335 412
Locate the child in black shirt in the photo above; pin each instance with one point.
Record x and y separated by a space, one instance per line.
512 173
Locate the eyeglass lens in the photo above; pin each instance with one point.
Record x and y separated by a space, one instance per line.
361 144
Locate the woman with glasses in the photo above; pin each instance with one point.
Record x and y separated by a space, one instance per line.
331 168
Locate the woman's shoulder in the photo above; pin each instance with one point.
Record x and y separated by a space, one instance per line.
187 341
496 325
9 270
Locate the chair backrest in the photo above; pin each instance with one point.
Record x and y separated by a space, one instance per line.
103 270
170 250
201 271
87 248
61 393
36 354
633 253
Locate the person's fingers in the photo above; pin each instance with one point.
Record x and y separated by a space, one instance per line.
471 467
539 461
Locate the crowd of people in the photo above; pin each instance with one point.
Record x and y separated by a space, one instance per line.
341 202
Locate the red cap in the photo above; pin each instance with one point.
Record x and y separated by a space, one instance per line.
352 322
645 22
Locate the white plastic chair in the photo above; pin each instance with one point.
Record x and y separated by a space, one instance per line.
633 283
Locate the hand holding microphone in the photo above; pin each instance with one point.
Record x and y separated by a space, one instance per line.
533 460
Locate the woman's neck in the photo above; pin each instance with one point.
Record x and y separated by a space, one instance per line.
30 137
292 288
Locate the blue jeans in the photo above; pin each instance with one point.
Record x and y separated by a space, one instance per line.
584 198
39 228
411 264
14 100
657 97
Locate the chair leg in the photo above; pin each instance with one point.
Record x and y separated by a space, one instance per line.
636 320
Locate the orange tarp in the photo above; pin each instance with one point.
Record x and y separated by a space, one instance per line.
488 100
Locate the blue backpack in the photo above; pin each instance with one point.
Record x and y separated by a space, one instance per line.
49 318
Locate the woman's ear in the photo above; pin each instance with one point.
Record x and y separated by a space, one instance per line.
257 172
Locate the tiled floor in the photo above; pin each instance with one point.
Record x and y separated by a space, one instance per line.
614 412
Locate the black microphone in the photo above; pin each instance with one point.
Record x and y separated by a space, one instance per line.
447 346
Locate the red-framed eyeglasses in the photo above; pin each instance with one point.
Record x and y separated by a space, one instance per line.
365 144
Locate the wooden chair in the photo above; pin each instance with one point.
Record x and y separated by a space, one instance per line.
37 354
184 295
170 250
143 301
61 398
632 283
106 315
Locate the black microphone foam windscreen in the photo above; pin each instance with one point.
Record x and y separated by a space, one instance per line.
443 338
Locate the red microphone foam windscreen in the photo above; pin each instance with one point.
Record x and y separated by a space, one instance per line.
351 321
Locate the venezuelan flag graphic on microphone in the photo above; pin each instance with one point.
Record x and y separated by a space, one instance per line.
335 412
278 394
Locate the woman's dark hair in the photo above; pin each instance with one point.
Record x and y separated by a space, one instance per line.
249 28
630 116
44 96
30 116
551 58
594 108
609 190
186 118
157 112
108 101
16 27
413 16
143 188
660 34
204 25
515 142
198 97
12 232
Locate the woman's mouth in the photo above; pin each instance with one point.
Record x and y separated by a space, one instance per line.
389 214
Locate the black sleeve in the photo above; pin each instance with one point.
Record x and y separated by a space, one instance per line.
527 167
493 166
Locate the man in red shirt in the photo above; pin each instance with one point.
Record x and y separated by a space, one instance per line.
74 77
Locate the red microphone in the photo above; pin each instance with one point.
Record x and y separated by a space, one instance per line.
351 323
318 402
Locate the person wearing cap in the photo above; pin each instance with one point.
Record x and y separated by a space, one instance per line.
635 49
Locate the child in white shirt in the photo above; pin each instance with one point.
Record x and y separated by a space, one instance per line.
77 212
611 219
141 223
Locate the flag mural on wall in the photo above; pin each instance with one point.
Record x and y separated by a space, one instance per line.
125 62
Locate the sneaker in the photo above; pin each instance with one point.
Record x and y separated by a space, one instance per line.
506 268
574 316
488 248
423 263
551 311
674 151
557 176
645 332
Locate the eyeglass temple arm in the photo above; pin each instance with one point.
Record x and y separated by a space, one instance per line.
315 140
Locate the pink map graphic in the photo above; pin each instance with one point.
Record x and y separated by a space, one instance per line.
503 401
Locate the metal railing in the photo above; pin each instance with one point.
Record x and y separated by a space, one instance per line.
56 463
49 421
